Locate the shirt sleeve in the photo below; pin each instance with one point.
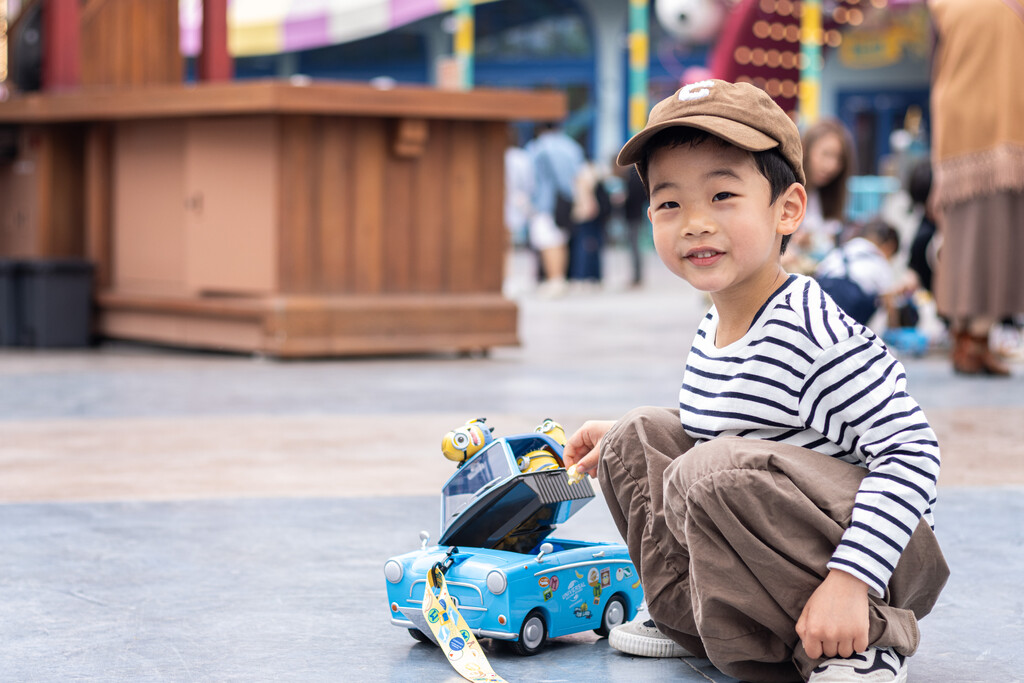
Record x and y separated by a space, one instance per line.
855 395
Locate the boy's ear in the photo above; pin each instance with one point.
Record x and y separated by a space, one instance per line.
792 205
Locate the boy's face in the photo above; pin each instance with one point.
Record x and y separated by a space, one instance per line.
714 225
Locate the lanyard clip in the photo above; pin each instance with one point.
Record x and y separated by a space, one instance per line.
444 565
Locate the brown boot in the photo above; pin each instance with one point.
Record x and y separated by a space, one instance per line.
991 362
972 356
966 359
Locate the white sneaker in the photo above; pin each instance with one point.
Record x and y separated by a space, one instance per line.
882 664
642 638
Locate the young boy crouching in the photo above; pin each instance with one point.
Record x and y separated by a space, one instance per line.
781 518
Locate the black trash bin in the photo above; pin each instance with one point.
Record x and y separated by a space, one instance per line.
55 303
9 280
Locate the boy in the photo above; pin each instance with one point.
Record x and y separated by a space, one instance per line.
766 516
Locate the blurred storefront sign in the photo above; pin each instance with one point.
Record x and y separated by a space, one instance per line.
769 42
884 45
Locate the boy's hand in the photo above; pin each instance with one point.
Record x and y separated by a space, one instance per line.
582 447
834 621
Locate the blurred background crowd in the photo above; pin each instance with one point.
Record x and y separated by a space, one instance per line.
910 112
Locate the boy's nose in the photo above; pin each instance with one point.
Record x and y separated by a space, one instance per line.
697 226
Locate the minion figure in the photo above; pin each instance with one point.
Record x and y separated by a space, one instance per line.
594 581
540 459
463 443
552 429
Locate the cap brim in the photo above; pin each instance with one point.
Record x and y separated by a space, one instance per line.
739 134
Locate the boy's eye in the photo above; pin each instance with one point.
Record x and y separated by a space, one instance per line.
668 205
721 195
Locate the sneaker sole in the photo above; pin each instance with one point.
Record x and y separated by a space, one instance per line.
646 647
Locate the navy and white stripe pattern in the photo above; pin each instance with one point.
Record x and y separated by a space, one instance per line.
807 374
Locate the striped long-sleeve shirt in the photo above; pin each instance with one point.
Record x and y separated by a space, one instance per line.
808 375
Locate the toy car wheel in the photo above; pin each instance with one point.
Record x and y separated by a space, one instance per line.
614 614
531 635
420 636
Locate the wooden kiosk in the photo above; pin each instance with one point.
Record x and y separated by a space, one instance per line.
288 218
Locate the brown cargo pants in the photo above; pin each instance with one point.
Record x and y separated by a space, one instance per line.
731 539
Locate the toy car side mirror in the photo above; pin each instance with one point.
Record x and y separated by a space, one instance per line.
545 548
424 539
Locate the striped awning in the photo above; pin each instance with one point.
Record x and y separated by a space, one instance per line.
257 27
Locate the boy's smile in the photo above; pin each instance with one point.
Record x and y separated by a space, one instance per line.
703 257
714 223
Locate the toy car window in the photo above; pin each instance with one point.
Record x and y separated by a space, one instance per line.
491 464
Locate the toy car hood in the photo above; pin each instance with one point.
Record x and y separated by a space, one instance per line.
490 503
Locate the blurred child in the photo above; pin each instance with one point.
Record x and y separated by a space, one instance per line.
858 275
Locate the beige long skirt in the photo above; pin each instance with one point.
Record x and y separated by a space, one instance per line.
981 262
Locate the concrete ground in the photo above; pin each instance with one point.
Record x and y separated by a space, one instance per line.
184 516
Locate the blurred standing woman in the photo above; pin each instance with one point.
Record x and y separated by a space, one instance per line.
828 164
978 162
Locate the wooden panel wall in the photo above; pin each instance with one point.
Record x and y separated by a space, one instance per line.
98 202
398 247
433 211
130 42
367 230
41 198
357 217
62 202
147 239
299 188
494 237
337 171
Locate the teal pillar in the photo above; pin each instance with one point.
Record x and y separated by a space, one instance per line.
464 30
639 58
810 61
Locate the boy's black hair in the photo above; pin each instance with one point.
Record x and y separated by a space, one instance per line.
770 163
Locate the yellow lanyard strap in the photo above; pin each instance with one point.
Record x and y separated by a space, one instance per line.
451 632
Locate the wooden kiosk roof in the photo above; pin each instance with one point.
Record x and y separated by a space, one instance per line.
285 97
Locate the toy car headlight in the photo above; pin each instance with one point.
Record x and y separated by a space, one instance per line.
393 571
496 582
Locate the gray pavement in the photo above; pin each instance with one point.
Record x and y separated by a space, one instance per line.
182 516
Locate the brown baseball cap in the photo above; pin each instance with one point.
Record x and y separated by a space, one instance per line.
739 113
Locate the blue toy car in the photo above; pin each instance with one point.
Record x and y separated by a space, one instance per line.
509 579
